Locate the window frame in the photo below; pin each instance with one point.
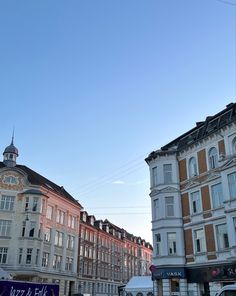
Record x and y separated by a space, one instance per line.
202 241
196 199
221 244
213 158
168 205
217 196
168 173
154 176
192 167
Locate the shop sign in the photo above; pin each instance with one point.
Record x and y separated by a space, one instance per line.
166 273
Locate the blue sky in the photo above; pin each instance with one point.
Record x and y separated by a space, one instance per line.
93 86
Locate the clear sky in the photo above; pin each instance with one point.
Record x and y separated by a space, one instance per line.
92 87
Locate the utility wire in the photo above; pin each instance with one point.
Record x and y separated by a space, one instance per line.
116 171
104 182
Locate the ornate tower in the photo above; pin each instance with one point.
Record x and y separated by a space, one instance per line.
10 154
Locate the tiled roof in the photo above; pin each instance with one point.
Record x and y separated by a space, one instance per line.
37 179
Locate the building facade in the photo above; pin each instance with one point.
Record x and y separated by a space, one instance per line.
44 237
109 256
193 194
39 223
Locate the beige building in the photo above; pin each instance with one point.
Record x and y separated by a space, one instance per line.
43 238
193 193
39 223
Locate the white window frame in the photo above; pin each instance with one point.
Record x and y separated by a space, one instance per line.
154 176
169 206
234 145
192 167
156 211
47 235
199 240
29 256
217 195
7 203
232 185
172 243
49 212
213 158
3 255
59 238
157 244
196 203
45 259
222 241
168 173
5 228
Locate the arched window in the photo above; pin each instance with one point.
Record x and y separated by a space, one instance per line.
139 294
234 145
192 167
213 158
149 294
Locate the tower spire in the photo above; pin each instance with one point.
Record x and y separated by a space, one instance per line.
12 137
10 153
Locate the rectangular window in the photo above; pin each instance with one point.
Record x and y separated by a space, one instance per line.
158 241
3 255
171 240
47 235
167 170
37 257
7 203
71 221
154 176
217 195
169 201
156 209
45 259
232 185
23 228
196 202
222 236
59 239
32 228
20 255
57 259
69 264
60 217
70 242
200 245
29 255
49 212
26 203
35 204
5 227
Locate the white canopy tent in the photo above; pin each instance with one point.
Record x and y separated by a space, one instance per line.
139 286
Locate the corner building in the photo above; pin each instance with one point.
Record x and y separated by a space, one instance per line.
193 195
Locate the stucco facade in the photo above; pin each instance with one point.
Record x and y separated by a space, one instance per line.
193 193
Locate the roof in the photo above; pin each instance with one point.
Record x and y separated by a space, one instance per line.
200 131
139 283
37 179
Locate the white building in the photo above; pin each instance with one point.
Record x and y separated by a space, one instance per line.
39 223
193 193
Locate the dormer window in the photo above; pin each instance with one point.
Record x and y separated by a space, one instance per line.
192 167
213 158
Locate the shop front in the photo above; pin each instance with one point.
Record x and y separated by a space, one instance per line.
169 281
